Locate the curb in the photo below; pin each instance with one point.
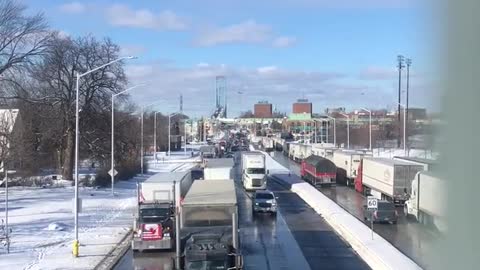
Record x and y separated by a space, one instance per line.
117 252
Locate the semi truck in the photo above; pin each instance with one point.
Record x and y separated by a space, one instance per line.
347 163
157 197
218 168
318 171
208 151
254 174
428 200
209 228
388 179
267 143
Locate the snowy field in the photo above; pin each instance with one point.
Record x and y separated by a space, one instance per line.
42 223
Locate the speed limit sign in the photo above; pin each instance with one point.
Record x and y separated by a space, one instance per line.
372 202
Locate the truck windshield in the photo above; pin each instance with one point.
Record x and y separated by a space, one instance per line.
256 170
206 265
152 215
264 196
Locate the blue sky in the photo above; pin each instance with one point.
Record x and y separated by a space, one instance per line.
330 51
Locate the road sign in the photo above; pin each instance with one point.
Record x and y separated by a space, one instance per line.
114 172
372 203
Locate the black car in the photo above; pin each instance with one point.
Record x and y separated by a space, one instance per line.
386 212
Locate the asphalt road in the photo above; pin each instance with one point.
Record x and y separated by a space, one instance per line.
296 238
410 237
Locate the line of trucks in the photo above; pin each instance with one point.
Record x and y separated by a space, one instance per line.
196 218
402 180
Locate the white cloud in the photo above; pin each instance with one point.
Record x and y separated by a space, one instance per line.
122 15
134 50
266 69
245 32
282 42
73 7
378 73
200 65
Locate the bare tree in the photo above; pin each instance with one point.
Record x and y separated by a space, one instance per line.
23 38
54 85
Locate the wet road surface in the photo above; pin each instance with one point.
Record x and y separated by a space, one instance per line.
410 237
296 238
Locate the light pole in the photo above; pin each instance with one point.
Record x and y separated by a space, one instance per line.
404 128
334 131
409 63
141 131
348 129
155 136
370 128
185 137
112 174
77 137
169 130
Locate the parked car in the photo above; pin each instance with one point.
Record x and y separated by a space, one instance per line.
264 201
385 213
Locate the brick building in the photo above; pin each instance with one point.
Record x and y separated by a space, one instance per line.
302 106
262 110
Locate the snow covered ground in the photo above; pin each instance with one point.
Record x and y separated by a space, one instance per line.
42 224
392 152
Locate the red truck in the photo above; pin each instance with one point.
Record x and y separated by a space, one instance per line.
358 180
318 171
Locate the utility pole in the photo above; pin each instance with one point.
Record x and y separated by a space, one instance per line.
400 60
409 62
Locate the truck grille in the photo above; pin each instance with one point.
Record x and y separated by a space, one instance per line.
265 205
257 182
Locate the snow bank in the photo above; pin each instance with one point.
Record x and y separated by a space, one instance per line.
377 253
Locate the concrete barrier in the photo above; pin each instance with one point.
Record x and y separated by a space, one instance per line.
378 253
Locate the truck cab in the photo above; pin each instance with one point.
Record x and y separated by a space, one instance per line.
254 173
154 227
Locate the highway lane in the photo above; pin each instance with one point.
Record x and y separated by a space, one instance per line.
410 237
297 238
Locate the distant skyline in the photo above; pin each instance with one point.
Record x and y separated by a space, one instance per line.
329 51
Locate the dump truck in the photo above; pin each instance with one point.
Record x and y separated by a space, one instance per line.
428 200
318 171
218 168
209 226
388 179
157 197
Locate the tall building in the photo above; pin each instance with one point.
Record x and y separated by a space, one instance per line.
302 106
262 109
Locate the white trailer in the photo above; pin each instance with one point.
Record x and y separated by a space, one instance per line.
325 150
428 200
299 151
254 174
428 164
267 144
388 179
219 168
347 163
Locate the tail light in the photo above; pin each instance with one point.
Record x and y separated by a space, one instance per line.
375 214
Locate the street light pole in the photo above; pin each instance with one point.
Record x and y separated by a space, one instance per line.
77 94
185 137
404 128
113 131
370 128
348 129
334 131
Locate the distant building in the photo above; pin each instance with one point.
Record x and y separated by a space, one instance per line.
302 106
262 109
